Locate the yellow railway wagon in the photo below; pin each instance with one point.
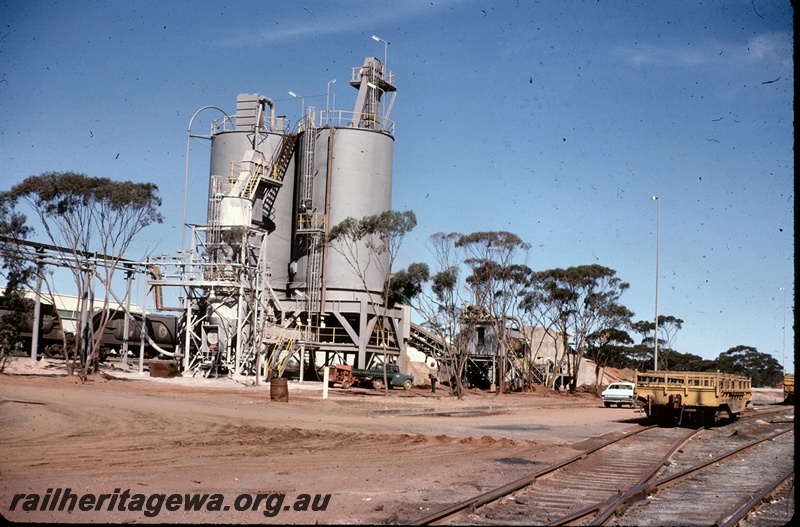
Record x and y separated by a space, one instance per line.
684 397
788 388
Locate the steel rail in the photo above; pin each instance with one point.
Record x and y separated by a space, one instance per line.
612 503
508 488
734 518
612 500
643 490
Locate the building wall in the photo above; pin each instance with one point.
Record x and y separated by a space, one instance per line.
67 306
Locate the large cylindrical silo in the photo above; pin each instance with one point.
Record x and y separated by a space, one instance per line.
360 185
240 164
228 149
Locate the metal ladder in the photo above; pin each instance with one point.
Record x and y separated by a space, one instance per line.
314 273
214 233
309 223
307 161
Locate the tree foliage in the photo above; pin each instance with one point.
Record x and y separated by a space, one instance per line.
581 300
17 273
495 281
763 369
372 244
440 304
606 346
579 305
494 275
92 222
691 362
668 327
407 283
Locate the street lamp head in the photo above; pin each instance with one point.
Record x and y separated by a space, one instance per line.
654 198
293 94
376 38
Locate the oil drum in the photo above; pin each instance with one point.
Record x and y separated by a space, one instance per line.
279 390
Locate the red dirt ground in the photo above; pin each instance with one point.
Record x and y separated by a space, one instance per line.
381 459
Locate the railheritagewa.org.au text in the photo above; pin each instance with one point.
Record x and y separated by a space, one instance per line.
151 505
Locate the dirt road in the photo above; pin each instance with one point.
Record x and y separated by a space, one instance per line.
357 457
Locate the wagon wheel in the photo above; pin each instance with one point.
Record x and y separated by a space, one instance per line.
408 384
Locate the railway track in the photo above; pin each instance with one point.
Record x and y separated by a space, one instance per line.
719 477
653 476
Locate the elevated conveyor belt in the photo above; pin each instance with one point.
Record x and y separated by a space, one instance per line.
425 341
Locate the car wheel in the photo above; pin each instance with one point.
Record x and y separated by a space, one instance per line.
408 384
608 405
619 405
377 384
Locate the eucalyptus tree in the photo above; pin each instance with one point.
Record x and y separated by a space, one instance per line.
370 244
407 284
762 368
690 362
496 280
91 222
668 327
441 303
607 347
579 301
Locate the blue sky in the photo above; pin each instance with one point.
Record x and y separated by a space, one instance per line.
553 120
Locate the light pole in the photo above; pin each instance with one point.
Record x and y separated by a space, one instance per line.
658 243
784 329
385 47
327 96
302 103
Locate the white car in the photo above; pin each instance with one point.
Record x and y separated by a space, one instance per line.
619 393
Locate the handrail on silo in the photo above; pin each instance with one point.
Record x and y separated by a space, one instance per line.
343 118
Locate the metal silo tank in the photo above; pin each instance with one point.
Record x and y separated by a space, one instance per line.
361 185
228 148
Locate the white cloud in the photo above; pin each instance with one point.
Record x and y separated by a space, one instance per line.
665 56
335 18
766 47
770 46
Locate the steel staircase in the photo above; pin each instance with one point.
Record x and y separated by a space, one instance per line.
278 166
255 177
282 350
